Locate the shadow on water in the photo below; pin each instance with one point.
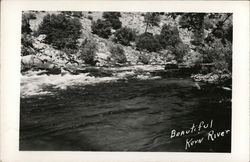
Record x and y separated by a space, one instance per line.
134 115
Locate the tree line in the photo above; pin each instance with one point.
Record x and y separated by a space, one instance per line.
64 29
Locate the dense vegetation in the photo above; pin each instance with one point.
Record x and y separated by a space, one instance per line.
148 42
26 40
103 27
211 37
88 51
124 36
117 54
61 31
113 18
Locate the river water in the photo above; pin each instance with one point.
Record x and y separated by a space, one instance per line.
133 111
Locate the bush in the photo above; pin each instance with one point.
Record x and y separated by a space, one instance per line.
90 17
151 19
67 13
218 53
27 47
77 14
88 51
148 42
115 23
62 32
102 28
26 24
117 53
180 51
169 36
113 18
143 59
72 13
111 15
124 36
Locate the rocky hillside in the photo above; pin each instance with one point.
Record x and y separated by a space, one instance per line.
134 21
78 39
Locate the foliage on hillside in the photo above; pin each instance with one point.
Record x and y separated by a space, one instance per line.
88 51
113 18
117 54
60 30
124 36
189 38
102 28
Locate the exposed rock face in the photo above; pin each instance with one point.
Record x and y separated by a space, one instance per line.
46 58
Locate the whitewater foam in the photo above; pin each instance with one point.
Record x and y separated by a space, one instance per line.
38 83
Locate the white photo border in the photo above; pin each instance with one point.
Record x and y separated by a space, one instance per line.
10 79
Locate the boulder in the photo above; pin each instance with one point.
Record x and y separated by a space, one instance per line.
28 61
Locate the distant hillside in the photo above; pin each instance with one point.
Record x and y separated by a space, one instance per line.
156 38
132 20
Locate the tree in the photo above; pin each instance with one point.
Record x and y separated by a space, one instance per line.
27 47
26 17
111 15
101 28
195 23
61 32
124 36
169 36
117 53
151 19
180 50
218 53
224 30
148 42
88 51
113 18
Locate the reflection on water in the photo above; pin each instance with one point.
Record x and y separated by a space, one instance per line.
126 115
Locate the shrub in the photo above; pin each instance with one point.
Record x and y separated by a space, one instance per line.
169 36
151 19
90 17
27 40
113 18
180 50
77 14
88 51
111 15
148 42
27 47
67 13
72 13
62 32
115 23
102 28
117 53
124 36
143 59
218 53
26 24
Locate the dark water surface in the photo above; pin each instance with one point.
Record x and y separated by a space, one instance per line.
133 115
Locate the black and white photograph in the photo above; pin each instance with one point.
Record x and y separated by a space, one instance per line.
123 81
126 81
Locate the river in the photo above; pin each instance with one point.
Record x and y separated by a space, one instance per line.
133 112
